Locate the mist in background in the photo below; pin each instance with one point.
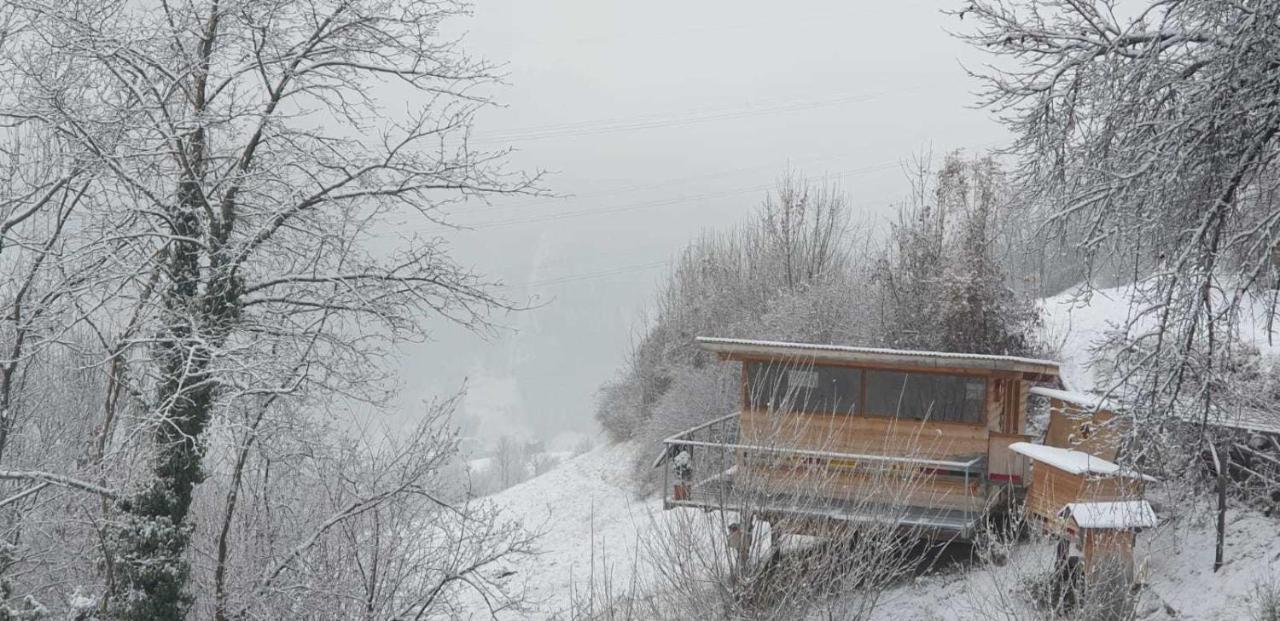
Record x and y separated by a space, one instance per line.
657 121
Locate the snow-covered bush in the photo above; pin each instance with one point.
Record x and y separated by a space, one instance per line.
788 273
799 271
1264 602
940 283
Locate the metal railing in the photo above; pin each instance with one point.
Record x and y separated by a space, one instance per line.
700 466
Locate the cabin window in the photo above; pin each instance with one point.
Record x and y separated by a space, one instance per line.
803 388
926 396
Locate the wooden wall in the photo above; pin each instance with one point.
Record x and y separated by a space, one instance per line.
861 485
873 435
860 434
1052 489
870 482
1004 464
1078 428
1107 551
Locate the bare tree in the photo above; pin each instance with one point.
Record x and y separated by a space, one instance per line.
240 167
942 281
1153 129
368 526
510 464
788 273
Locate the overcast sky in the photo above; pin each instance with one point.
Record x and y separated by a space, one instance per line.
660 120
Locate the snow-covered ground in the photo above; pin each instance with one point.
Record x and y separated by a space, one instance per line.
589 516
593 521
1175 563
592 518
1076 321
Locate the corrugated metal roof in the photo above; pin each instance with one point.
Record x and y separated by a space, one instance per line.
845 353
1077 398
1246 419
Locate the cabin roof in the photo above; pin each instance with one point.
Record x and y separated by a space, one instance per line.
1112 514
747 348
1245 419
1082 399
1074 462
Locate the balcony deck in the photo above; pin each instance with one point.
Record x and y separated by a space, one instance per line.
713 467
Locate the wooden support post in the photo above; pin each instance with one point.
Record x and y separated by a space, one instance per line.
740 536
1221 467
744 542
1222 514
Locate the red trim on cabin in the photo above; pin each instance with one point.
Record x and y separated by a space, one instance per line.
1012 478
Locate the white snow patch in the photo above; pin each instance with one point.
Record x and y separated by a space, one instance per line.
1174 563
1075 462
1117 514
592 521
1076 398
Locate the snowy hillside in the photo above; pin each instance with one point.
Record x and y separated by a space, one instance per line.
590 517
593 520
1077 320
1175 563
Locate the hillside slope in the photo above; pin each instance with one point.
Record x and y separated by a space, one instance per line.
593 521
590 518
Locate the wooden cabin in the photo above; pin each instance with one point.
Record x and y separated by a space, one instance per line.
859 434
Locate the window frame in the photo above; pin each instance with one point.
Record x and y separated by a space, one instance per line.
860 409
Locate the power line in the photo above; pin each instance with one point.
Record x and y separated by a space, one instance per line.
623 124
626 269
647 186
655 203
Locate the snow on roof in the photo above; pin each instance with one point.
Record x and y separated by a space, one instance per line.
1075 462
1114 514
847 353
1077 398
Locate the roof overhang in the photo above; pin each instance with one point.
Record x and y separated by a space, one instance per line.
744 349
1075 462
1080 399
1111 515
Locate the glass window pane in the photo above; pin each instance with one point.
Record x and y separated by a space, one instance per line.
804 388
921 396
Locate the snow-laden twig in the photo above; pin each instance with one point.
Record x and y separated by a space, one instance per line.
60 480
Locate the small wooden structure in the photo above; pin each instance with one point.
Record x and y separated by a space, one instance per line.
918 439
1082 422
1087 501
1104 531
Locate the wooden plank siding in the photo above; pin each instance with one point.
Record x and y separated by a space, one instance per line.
1004 464
996 395
1017 407
1052 489
864 433
1082 429
870 488
874 435
1107 552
